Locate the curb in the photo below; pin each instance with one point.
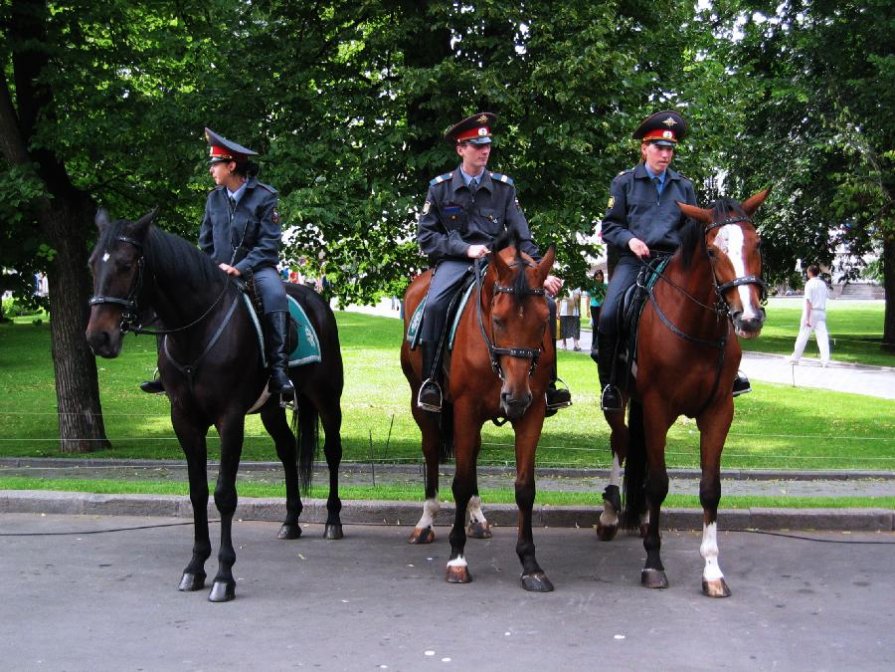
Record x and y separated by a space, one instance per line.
368 512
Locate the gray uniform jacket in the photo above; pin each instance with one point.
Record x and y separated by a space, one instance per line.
249 238
636 210
454 218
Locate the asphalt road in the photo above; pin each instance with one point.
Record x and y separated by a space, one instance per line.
75 599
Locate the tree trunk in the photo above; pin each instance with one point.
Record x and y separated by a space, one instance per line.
889 288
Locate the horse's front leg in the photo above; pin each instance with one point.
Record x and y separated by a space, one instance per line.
232 431
477 526
466 438
713 433
528 432
424 530
607 525
192 441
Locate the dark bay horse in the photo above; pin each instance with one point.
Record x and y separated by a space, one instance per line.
210 364
687 357
498 369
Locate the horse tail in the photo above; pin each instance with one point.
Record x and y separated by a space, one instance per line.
635 469
446 438
305 427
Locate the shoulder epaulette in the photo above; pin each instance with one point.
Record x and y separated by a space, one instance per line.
506 179
440 179
629 170
267 187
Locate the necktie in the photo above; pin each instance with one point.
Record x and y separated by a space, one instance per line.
473 184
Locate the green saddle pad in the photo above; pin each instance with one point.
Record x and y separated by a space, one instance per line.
416 319
307 343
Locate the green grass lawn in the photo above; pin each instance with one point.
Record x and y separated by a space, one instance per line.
776 427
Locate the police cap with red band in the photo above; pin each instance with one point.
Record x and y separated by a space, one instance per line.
665 128
475 129
222 149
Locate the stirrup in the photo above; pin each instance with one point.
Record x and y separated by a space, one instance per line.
741 385
558 397
153 386
611 399
430 385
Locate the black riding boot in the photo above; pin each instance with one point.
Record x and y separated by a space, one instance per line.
741 384
276 334
611 399
153 386
557 397
430 395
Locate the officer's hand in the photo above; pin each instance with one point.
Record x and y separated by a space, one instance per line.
553 285
229 270
638 247
477 251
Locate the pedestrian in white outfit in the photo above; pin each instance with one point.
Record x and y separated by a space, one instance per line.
814 318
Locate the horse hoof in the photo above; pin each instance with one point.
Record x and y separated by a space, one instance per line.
606 532
422 535
458 575
716 588
222 591
333 531
479 530
289 531
190 581
653 578
537 583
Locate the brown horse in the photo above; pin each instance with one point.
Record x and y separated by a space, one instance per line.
687 357
498 369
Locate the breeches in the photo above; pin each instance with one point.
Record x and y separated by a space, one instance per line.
271 290
624 276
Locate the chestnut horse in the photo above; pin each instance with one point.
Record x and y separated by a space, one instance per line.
687 357
211 367
498 369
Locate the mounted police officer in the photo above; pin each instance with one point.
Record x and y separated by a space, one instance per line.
240 231
642 220
464 212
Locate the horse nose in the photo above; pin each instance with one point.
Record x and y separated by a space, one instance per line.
100 341
514 406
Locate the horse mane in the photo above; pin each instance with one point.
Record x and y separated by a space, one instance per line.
510 238
167 253
692 234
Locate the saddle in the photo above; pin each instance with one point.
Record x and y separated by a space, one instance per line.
302 344
455 310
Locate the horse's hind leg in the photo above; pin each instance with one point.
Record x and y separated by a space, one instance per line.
192 440
274 420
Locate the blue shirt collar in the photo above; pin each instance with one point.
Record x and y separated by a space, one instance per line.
468 178
236 195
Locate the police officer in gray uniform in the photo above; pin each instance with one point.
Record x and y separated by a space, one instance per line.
464 212
241 232
642 220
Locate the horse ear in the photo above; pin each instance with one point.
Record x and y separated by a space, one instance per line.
546 264
102 219
699 214
499 264
141 226
751 205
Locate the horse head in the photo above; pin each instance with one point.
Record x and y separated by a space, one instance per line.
734 249
117 265
518 315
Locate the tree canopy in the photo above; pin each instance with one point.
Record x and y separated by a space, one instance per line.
105 103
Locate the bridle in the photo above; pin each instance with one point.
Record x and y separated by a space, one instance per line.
130 315
495 352
720 289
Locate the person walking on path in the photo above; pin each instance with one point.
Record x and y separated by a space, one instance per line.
570 319
814 318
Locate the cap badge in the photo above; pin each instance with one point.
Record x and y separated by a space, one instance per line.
670 122
483 119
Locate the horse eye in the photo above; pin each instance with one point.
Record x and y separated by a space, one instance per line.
499 322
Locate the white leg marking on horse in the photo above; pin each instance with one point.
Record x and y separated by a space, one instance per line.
709 551
474 513
106 257
430 510
459 561
609 517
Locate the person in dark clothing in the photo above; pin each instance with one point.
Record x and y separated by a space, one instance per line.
642 219
240 231
465 211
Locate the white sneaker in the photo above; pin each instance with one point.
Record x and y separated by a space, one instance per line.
792 360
